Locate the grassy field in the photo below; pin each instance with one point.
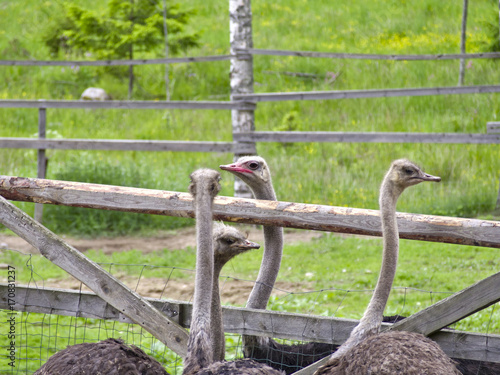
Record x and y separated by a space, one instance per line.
333 174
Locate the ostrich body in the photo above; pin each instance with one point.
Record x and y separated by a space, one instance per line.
199 358
107 357
367 351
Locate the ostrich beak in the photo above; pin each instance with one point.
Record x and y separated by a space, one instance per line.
429 177
234 168
252 245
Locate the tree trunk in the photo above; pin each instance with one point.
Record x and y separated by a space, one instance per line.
241 74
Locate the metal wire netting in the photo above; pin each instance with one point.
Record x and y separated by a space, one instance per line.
39 335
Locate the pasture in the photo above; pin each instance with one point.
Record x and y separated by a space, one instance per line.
330 275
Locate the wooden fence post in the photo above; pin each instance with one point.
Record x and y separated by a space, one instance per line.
42 160
241 75
462 43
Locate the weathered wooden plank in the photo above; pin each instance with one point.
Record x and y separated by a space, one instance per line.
125 104
239 320
368 137
286 214
366 56
91 274
453 308
173 60
493 127
124 145
358 94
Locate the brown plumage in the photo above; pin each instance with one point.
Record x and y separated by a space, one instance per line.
199 358
108 357
367 351
391 353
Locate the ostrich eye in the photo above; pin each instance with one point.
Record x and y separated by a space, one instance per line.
229 241
253 165
408 171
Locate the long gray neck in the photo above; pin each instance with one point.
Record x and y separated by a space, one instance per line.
217 329
269 268
372 319
271 259
199 350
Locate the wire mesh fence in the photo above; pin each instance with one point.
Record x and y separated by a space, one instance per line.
39 335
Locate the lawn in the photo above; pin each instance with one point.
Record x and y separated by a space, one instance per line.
336 273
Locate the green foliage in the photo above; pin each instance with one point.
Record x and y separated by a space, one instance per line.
123 27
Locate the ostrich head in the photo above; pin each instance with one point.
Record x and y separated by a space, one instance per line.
205 176
253 170
404 173
229 242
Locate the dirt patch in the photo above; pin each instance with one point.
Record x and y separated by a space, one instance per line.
179 239
233 291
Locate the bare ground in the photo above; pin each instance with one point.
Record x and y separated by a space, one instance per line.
234 292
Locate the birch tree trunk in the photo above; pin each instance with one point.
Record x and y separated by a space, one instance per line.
241 74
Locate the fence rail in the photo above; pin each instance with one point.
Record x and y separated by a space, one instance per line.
366 137
125 145
360 94
172 60
286 214
366 56
281 325
126 104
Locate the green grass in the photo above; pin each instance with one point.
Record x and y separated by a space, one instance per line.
333 174
330 276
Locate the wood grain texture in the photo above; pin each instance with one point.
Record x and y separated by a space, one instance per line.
124 145
357 94
286 214
367 137
366 56
453 308
91 274
172 60
125 104
275 324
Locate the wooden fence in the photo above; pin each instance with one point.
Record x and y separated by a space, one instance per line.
243 101
112 300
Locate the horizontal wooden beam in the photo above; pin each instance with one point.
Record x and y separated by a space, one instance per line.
366 137
173 60
493 127
110 289
239 320
125 104
365 56
286 214
359 94
453 308
125 145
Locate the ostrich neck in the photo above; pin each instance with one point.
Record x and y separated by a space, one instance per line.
374 313
372 318
217 326
271 259
199 350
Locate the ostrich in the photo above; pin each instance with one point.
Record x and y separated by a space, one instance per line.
254 171
199 358
110 357
366 350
